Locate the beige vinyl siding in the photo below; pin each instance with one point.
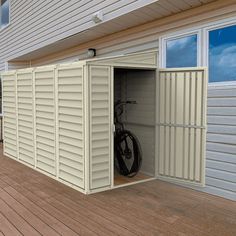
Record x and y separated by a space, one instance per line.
10 116
100 126
70 124
25 111
45 119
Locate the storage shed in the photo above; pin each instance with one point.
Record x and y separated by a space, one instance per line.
59 119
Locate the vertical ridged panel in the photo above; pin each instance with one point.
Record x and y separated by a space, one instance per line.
9 111
45 119
71 125
100 126
182 123
25 116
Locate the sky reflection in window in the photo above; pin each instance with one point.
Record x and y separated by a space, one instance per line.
222 54
181 52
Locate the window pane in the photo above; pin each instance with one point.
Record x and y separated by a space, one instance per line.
222 54
182 52
4 12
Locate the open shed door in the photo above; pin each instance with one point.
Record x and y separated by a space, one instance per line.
181 125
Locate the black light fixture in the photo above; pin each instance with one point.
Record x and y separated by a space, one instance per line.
91 52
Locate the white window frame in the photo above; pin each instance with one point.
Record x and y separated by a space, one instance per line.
179 35
5 26
203 44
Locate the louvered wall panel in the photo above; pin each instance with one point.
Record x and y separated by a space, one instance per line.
71 125
100 126
181 131
25 116
45 119
9 111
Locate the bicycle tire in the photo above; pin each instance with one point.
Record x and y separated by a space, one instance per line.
137 154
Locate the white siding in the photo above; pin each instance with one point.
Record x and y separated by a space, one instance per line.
35 24
221 142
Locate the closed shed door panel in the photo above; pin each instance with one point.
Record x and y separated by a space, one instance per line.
100 126
70 124
45 119
9 112
181 132
25 116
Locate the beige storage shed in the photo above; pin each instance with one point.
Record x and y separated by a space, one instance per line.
59 120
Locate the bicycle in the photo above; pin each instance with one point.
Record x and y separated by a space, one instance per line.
128 153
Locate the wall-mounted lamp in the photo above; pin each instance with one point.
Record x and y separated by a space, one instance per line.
91 52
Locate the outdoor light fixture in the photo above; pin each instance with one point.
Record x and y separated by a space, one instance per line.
97 17
91 52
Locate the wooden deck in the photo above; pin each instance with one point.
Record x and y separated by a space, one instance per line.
33 204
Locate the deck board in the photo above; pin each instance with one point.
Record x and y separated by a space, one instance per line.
34 204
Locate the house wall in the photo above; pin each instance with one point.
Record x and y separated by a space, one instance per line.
34 24
221 136
221 152
221 141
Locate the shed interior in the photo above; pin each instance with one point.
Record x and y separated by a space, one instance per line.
138 85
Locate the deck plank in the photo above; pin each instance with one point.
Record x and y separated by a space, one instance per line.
7 228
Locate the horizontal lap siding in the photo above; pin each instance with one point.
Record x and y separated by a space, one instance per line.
29 17
221 142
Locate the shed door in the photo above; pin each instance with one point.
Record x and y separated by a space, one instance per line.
181 125
100 126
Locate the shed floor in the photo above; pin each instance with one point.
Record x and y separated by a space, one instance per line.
120 180
33 204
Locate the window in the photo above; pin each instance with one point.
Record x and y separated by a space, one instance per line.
213 45
4 13
182 52
222 54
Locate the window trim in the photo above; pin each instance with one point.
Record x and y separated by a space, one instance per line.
203 42
205 48
163 42
9 21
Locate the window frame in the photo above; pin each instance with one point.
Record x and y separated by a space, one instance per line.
203 44
205 59
9 20
179 35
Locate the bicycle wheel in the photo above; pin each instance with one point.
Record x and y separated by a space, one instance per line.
128 154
